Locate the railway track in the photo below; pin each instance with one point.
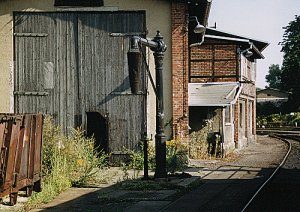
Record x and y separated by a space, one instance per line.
281 190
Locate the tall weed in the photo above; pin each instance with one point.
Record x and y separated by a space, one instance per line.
67 161
176 158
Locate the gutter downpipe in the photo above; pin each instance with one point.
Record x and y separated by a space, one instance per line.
200 43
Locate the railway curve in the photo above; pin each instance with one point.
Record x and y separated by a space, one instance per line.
281 190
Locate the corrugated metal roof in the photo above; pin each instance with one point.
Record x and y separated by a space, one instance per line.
212 94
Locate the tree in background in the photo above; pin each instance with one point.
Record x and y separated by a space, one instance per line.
290 77
274 77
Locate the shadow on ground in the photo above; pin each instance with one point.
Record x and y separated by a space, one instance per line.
227 188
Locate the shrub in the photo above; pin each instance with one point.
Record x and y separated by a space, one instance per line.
66 161
198 146
177 156
136 161
83 159
278 120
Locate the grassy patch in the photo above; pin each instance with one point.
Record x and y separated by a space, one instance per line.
176 159
67 161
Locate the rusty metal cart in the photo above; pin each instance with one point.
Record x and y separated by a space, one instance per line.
20 154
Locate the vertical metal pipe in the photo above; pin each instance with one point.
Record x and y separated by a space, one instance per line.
145 141
160 138
158 47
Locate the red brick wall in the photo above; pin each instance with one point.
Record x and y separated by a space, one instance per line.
218 61
180 69
213 62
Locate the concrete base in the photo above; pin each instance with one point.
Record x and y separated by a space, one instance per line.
229 148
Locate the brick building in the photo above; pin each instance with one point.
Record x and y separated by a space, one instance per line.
182 30
221 86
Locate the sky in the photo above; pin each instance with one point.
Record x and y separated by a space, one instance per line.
258 19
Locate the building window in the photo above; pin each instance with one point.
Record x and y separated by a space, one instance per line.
81 3
253 71
241 115
250 116
228 114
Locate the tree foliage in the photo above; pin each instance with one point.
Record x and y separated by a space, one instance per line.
291 61
274 76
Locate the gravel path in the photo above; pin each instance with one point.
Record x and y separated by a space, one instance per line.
228 186
281 193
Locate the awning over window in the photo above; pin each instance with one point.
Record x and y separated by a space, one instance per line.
212 94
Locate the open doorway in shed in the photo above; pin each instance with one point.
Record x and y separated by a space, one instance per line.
97 126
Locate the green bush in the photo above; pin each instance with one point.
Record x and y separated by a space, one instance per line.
83 159
136 161
176 158
278 120
67 161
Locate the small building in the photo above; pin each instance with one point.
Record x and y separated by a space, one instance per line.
270 101
272 95
221 86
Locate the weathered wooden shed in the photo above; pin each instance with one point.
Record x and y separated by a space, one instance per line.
73 65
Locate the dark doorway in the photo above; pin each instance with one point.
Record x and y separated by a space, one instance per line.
97 126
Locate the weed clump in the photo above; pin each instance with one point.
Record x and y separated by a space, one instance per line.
176 159
67 161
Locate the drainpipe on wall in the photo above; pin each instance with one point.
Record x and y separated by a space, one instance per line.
200 43
199 29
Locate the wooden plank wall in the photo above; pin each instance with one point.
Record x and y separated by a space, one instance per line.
67 64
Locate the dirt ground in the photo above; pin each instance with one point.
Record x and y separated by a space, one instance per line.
265 153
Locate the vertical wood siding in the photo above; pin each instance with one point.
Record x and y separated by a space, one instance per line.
88 68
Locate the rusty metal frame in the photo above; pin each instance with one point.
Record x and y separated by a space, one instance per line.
20 154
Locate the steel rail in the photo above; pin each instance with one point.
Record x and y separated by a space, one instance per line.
273 174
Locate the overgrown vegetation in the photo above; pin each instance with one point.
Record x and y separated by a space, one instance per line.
176 159
205 144
177 156
136 161
287 77
198 148
67 161
279 120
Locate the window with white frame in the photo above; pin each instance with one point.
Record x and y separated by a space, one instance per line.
243 66
228 114
253 71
